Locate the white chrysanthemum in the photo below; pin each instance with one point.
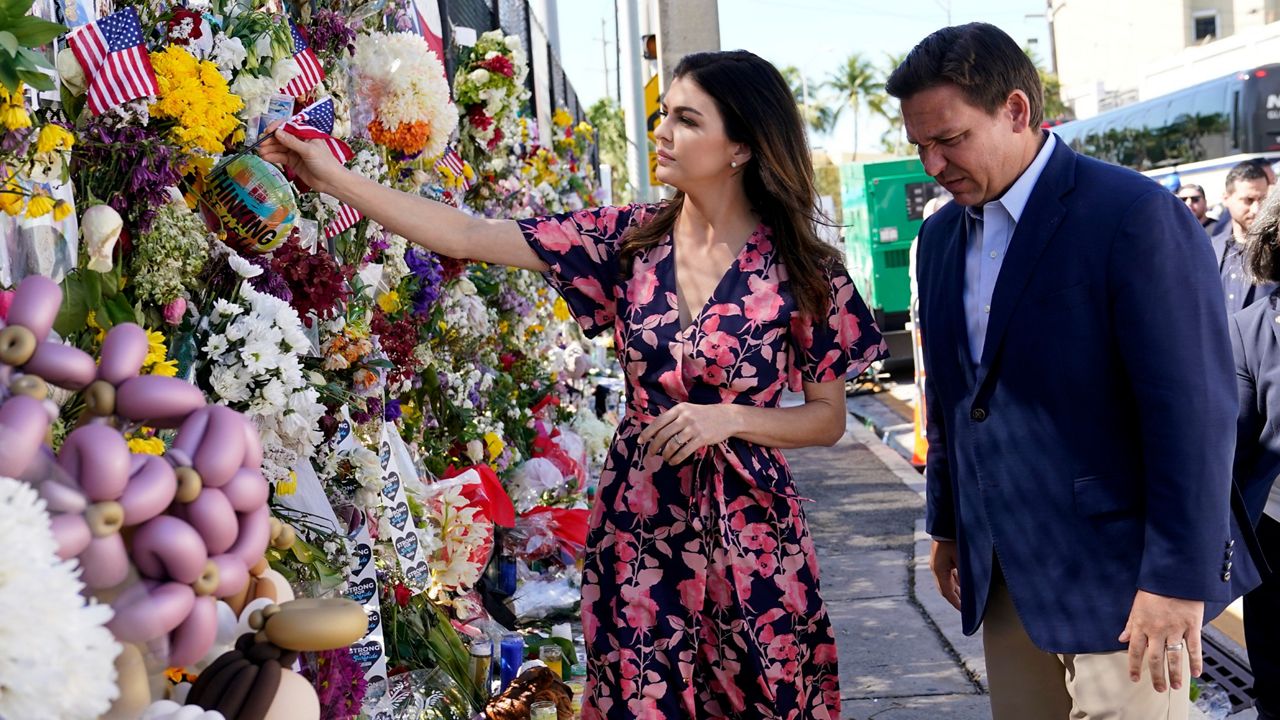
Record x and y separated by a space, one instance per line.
243 268
57 659
406 83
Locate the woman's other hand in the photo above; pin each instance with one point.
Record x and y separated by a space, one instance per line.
681 431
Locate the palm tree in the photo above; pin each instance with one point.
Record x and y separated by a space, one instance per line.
855 84
814 110
887 106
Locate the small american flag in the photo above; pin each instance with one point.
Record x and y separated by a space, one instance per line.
315 122
312 73
347 216
114 60
454 163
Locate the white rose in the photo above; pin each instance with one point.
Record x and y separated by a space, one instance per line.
479 76
70 71
513 42
101 226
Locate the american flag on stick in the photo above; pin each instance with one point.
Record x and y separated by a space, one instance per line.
312 73
454 163
315 122
114 60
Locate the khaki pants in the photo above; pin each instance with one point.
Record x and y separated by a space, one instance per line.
1028 683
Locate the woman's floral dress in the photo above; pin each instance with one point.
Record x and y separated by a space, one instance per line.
700 591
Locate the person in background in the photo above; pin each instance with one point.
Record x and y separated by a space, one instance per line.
1255 339
1193 196
1219 215
1081 426
1247 186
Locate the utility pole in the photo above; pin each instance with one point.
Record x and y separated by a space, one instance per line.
632 81
604 55
946 6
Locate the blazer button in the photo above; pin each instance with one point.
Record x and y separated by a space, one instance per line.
978 414
1226 576
1231 544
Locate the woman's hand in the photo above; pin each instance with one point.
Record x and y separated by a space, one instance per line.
679 432
310 160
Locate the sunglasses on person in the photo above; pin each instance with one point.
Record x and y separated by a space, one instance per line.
1193 198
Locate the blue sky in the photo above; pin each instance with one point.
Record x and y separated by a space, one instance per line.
813 35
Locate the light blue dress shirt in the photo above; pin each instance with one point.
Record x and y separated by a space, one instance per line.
990 228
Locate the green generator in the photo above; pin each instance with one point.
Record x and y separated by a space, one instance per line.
883 209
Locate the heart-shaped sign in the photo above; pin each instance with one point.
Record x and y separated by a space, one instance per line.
360 558
363 591
418 573
384 455
391 486
344 429
407 546
375 619
400 515
366 653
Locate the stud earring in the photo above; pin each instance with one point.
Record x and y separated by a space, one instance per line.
733 164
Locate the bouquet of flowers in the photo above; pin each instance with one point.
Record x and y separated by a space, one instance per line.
194 102
406 87
252 346
490 88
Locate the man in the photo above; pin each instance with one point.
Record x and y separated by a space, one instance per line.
1081 398
1247 186
1220 216
1193 196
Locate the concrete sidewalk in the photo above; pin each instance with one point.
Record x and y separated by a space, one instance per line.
901 651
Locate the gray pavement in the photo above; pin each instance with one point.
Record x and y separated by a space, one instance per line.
901 653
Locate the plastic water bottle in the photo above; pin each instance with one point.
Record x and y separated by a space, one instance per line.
1214 702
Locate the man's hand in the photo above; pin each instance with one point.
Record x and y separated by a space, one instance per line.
1161 629
944 562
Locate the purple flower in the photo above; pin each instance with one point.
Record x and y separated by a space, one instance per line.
270 281
428 272
392 411
331 33
339 682
373 407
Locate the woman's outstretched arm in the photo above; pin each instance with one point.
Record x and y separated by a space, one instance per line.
435 226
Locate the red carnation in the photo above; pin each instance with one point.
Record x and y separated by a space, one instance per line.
477 118
499 64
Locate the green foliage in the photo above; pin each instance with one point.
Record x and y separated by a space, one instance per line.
19 32
857 84
611 136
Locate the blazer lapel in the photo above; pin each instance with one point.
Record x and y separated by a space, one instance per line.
1040 220
953 293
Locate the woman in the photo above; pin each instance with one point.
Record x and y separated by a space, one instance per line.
1255 341
700 590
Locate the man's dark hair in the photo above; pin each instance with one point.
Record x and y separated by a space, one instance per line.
979 59
1245 171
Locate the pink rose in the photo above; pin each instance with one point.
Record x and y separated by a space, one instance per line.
174 311
6 299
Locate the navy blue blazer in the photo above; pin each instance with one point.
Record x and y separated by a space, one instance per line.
1255 340
1090 449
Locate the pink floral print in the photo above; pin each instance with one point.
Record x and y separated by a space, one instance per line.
700 591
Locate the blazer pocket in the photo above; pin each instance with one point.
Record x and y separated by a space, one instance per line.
1103 495
1065 298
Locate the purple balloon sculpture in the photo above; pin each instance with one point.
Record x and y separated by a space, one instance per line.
198 515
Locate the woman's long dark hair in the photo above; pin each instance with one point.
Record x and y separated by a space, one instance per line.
760 112
1263 243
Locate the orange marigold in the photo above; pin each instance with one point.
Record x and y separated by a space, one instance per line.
408 138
